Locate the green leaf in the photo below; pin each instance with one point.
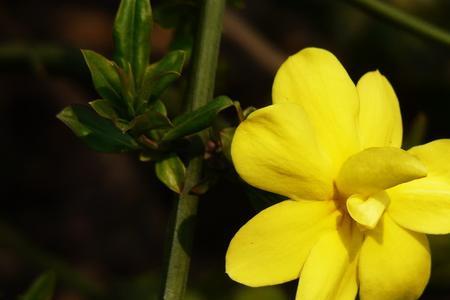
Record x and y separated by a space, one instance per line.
160 107
226 137
149 120
98 133
128 88
197 120
160 75
171 171
42 288
105 77
104 108
132 29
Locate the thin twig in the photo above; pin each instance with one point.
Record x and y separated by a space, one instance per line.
236 29
404 20
200 91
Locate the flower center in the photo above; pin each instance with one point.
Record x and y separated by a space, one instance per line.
364 210
364 177
367 211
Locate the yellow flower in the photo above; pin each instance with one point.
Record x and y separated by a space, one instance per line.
359 206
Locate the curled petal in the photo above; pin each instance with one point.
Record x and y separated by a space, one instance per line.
367 212
375 169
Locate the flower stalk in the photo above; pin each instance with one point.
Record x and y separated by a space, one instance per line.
404 20
200 91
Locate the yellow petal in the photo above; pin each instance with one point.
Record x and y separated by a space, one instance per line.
423 205
330 269
367 212
436 156
275 150
394 263
314 79
376 169
380 120
272 247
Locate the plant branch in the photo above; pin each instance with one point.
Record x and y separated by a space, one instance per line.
200 91
403 20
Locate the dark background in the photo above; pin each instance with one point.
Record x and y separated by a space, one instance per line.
105 215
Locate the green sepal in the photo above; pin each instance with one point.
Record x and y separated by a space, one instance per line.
148 121
104 76
201 188
197 120
98 133
205 185
246 112
132 29
159 76
42 288
226 137
148 143
172 172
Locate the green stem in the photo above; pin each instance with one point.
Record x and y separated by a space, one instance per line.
404 20
200 91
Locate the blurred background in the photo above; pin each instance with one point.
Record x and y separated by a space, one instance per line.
100 220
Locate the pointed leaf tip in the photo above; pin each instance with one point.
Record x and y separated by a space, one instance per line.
42 288
132 29
98 133
196 121
171 171
105 78
160 75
